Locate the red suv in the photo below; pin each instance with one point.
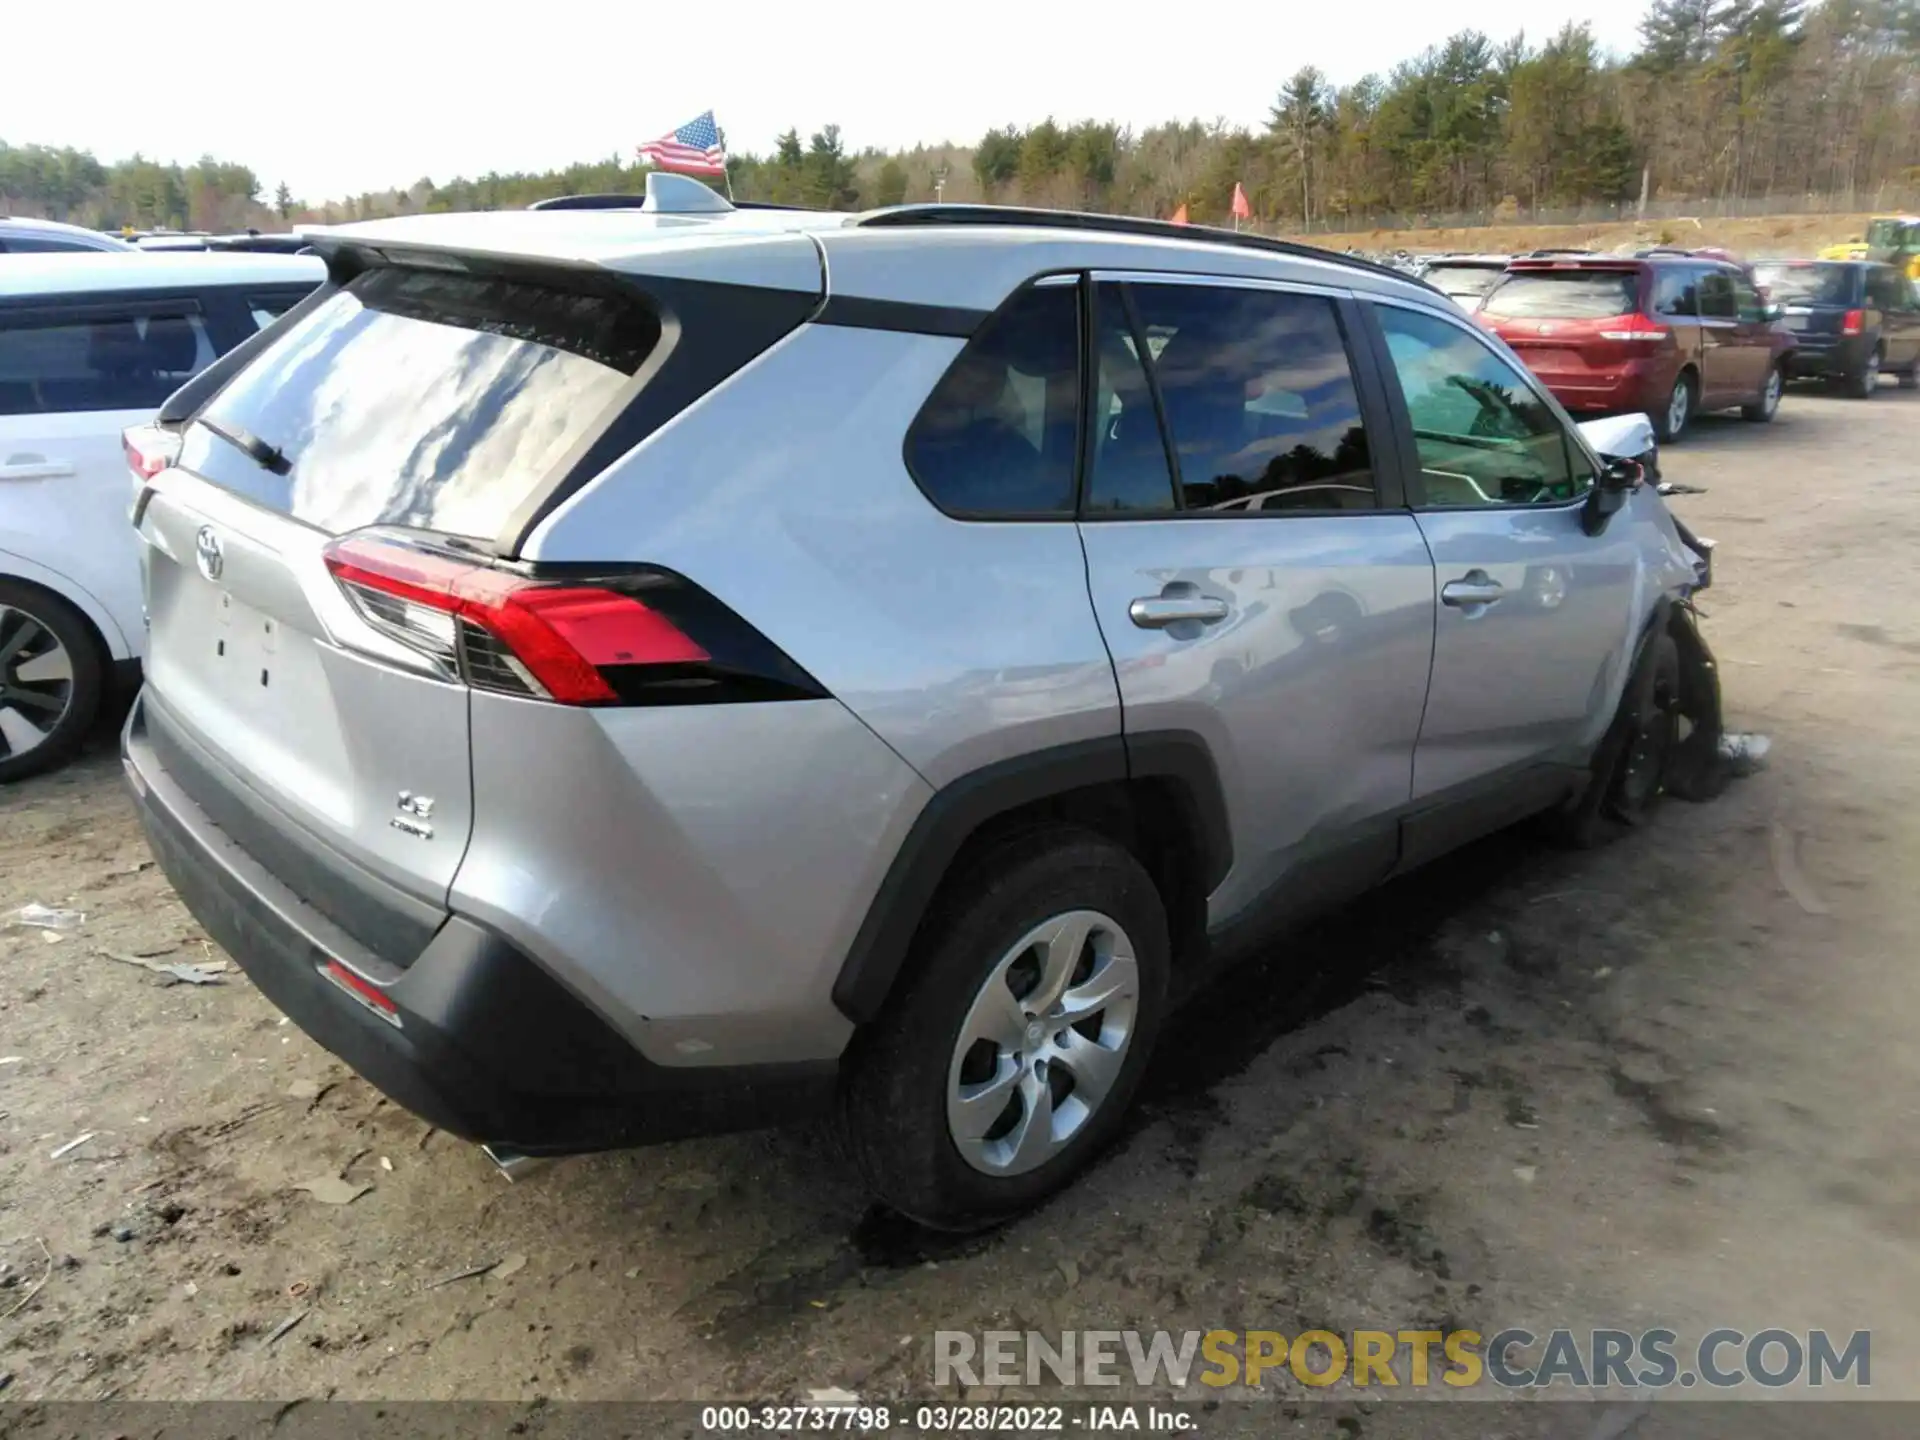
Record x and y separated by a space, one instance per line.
1671 335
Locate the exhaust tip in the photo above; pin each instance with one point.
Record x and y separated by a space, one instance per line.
512 1164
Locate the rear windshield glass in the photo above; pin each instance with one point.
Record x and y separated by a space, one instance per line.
1461 279
432 399
1565 295
1806 284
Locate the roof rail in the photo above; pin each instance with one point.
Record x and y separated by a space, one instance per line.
1546 251
902 215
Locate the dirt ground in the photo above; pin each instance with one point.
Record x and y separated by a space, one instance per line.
1759 237
1670 1082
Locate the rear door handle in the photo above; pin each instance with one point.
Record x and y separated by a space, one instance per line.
36 467
1475 588
1157 612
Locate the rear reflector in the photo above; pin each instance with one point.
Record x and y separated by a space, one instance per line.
368 994
1853 322
550 639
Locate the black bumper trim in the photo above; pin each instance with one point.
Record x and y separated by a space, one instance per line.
490 1046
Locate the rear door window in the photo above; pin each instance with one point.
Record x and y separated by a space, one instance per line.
433 400
1717 301
1257 396
998 437
1564 295
99 356
1676 292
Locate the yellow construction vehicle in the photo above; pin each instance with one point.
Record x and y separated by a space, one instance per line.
1890 239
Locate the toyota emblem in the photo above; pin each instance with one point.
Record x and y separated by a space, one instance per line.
206 553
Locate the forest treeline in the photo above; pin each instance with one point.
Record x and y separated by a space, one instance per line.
1721 99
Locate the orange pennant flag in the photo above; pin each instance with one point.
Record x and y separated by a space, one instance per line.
1241 209
1180 215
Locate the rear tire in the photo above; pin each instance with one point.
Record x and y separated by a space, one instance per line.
1768 405
1671 421
1864 383
924 1076
52 675
1910 377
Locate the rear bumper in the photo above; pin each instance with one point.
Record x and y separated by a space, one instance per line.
488 1045
1615 392
1814 356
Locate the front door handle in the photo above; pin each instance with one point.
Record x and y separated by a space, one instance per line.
36 467
1473 590
1173 605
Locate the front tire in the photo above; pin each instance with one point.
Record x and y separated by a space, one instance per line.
1038 985
1768 405
1629 774
52 675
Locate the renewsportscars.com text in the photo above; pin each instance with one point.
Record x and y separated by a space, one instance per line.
1514 1359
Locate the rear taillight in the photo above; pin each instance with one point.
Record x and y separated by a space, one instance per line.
1635 328
149 450
1853 322
643 637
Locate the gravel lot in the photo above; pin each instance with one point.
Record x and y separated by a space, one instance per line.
1672 1082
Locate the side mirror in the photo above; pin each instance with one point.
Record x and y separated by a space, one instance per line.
1617 480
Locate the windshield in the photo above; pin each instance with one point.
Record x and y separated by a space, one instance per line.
1806 284
1564 295
1470 281
429 399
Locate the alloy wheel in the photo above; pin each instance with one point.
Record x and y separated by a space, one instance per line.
1679 407
1770 401
36 682
1043 1043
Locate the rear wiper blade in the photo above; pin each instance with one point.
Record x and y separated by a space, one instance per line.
266 456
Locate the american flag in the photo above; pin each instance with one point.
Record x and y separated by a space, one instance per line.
694 148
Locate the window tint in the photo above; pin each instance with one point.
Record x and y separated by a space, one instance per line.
1128 455
1258 398
43 245
1716 295
436 400
1676 292
1564 295
998 434
98 360
1484 435
1800 283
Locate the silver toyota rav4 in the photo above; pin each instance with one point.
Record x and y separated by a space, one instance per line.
624 674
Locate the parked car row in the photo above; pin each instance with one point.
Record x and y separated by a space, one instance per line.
1678 333
90 345
38 237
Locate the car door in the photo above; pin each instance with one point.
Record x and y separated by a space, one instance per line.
1755 343
75 373
1534 618
1892 294
1256 577
1722 352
